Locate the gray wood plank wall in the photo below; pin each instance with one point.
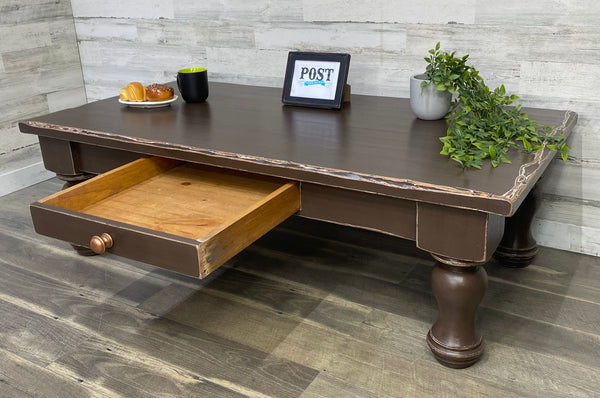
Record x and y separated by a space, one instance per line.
40 72
547 54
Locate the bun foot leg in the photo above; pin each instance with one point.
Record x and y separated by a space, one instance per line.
74 179
458 289
516 258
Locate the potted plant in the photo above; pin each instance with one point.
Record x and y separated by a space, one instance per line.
431 92
482 123
426 102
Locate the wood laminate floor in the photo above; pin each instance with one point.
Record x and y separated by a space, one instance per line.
310 310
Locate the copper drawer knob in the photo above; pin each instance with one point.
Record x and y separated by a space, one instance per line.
99 244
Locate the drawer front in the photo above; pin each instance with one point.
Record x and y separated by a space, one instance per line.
221 213
170 252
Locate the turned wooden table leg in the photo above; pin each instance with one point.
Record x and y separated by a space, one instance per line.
458 288
518 247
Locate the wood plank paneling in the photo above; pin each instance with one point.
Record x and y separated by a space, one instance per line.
149 9
428 11
543 53
23 168
215 365
538 13
14 12
22 378
380 38
40 70
311 310
238 10
23 37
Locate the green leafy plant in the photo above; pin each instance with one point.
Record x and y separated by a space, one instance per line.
483 123
446 71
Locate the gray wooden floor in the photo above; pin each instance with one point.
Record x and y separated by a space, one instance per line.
310 310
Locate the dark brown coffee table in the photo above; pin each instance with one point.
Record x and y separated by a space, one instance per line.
371 165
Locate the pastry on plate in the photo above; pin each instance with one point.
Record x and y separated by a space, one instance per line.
159 92
133 92
137 92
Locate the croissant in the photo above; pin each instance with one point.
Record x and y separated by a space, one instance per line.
134 91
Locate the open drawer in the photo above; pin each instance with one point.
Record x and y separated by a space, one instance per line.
183 217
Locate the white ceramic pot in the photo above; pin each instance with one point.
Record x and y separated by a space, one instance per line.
427 103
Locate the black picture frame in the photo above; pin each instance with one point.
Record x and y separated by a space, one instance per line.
316 79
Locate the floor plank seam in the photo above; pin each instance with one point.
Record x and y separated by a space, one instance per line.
520 285
592 335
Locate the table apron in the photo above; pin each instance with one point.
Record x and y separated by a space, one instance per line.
456 233
366 210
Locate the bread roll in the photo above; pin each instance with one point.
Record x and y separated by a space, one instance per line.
134 92
159 92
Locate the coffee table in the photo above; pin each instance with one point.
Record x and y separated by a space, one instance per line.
372 165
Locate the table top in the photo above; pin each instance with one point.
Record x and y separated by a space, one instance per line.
374 144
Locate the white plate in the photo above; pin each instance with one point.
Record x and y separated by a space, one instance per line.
148 104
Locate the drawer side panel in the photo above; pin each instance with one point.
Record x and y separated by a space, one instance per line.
259 220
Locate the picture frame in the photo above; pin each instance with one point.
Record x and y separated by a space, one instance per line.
316 79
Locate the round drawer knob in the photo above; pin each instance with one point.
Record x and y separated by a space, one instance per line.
99 244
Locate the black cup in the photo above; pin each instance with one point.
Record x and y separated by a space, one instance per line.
193 84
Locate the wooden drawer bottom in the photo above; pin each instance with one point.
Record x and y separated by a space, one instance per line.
180 216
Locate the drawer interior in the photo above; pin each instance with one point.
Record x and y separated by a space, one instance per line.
185 217
183 199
